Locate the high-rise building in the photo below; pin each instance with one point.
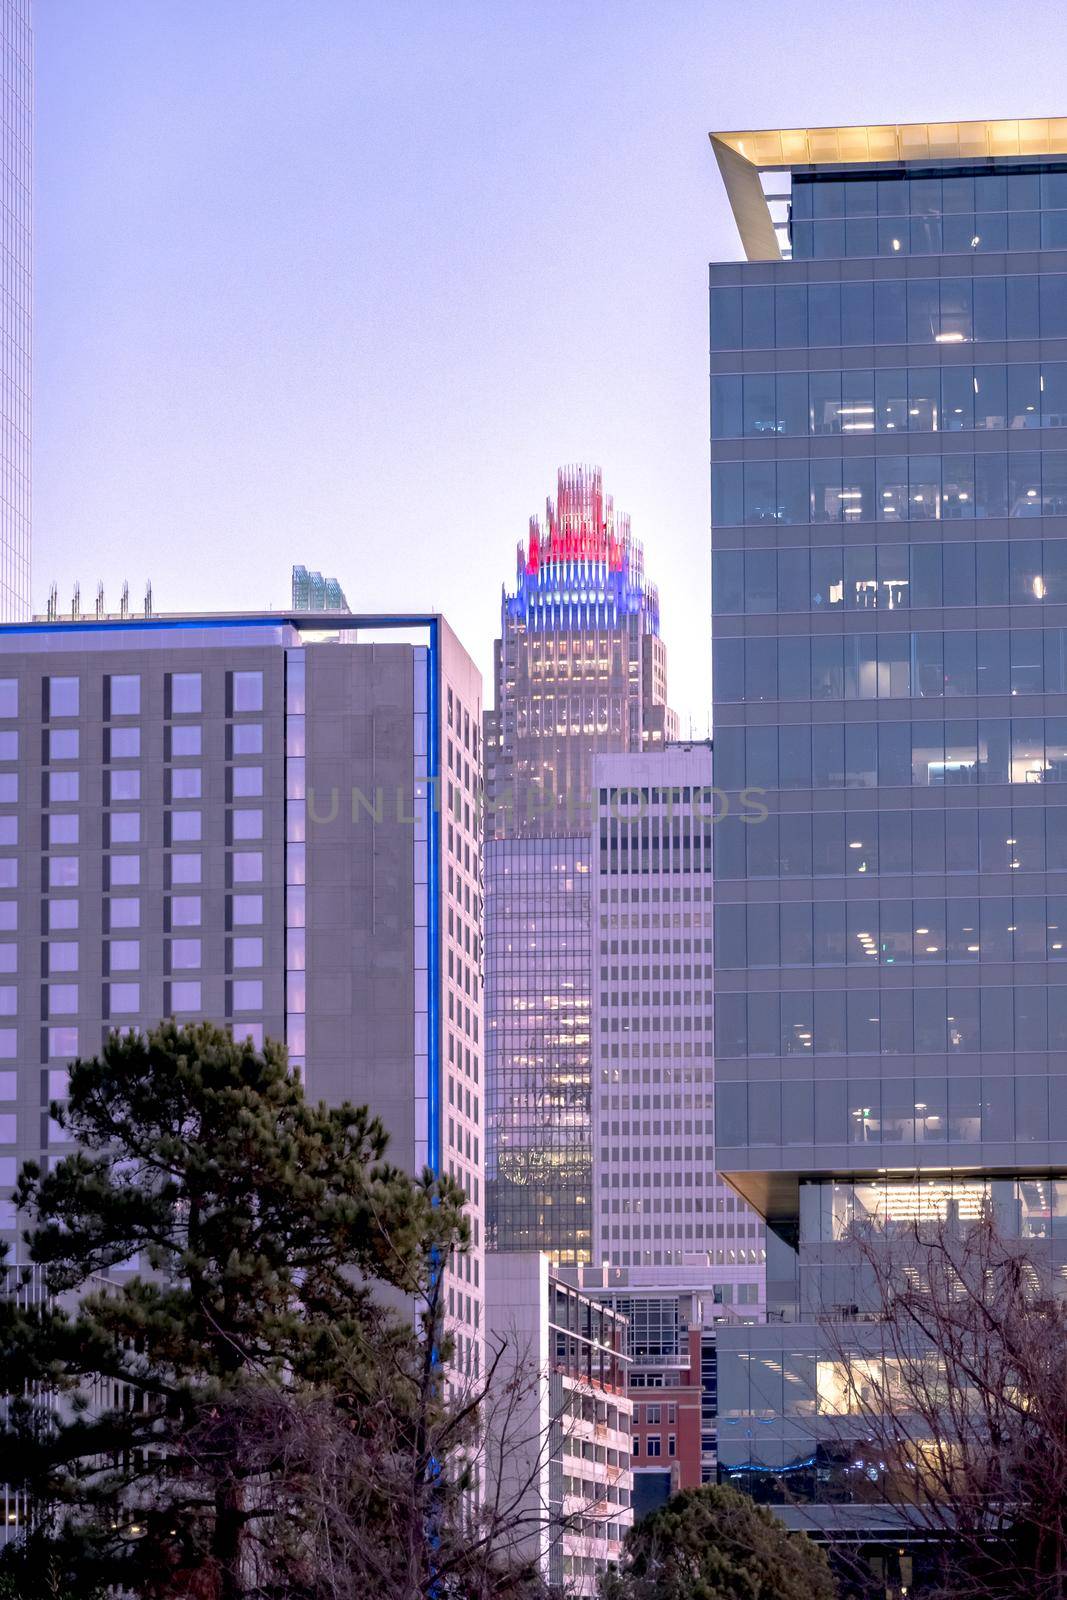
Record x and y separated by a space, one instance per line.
579 665
313 592
254 820
16 209
658 1204
889 484
560 1454
580 668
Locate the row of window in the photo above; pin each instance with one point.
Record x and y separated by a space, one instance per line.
958 233
890 577
956 399
893 666
868 755
63 999
901 932
899 195
893 488
947 310
861 843
893 1111
907 1021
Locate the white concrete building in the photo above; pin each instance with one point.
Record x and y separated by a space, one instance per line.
559 1451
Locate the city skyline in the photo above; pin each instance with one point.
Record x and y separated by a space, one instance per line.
341 285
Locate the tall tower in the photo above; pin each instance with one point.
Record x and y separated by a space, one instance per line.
889 493
580 669
16 253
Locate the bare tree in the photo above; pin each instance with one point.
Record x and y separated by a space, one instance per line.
956 1390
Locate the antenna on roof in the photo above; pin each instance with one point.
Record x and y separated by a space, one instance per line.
76 603
100 600
53 602
148 598
124 603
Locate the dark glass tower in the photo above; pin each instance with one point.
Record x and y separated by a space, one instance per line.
889 485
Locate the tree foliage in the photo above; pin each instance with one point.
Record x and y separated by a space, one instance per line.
713 1543
213 1237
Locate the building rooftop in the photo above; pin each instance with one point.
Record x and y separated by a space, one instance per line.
743 156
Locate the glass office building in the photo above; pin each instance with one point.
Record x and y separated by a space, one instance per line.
16 252
579 669
889 485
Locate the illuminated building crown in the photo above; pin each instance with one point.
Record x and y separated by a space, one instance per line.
583 569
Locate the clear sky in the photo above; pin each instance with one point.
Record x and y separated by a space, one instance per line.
343 281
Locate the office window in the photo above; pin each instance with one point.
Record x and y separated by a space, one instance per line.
123 744
59 1077
184 953
125 955
185 783
62 872
125 871
246 952
185 996
63 956
125 998
9 697
9 830
247 782
185 826
185 911
247 825
125 695
9 915
62 999
9 745
62 697
9 1000
125 912
125 827
249 1030
185 868
9 957
247 909
248 994
59 914
247 866
63 828
8 1125
248 691
9 1081
185 693
185 739
248 739
62 787
124 783
652 1445
63 1042
63 744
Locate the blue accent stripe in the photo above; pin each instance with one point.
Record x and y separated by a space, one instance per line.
435 825
314 621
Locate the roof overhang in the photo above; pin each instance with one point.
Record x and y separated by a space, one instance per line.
743 156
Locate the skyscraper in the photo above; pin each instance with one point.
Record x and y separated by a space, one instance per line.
580 668
889 484
313 592
260 821
16 208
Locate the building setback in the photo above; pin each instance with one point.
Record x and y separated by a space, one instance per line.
250 819
889 485
580 668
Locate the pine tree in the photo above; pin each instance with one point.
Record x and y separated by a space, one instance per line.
264 1235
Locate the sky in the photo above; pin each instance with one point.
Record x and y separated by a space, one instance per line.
342 282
